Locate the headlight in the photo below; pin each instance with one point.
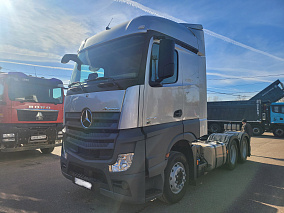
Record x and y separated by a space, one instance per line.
64 129
11 135
60 134
122 163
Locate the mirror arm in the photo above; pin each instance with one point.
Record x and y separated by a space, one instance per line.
73 57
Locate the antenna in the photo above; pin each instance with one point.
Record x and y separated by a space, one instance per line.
35 71
108 28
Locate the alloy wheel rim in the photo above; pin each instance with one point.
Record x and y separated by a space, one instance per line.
177 178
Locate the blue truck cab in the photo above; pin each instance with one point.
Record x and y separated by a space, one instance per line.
277 118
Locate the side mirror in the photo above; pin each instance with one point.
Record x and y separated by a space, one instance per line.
166 64
71 57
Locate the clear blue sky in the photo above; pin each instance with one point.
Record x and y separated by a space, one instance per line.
36 33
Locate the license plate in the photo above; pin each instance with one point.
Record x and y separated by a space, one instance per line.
83 183
38 137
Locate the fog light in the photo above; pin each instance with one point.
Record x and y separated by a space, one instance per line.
8 139
122 163
124 185
10 135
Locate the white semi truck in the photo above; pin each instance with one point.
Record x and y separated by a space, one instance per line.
135 113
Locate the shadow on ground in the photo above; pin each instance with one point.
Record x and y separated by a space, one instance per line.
23 155
251 187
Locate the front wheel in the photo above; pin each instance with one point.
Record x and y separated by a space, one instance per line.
232 155
278 132
47 150
176 178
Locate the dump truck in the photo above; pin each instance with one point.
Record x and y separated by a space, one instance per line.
135 121
261 111
31 113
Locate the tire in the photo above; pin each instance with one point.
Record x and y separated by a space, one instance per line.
244 149
257 130
47 150
278 132
232 156
214 128
176 178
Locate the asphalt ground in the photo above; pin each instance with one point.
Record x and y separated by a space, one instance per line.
32 182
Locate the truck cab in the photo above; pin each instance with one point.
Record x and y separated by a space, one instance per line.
31 112
277 118
135 106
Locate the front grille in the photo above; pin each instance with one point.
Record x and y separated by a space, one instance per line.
97 141
37 115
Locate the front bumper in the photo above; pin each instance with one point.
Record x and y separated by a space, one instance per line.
126 186
31 147
119 186
29 136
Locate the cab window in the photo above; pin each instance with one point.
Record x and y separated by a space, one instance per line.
275 109
278 109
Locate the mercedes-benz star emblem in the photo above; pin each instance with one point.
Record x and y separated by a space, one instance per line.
86 118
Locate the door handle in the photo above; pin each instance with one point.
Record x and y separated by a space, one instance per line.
178 113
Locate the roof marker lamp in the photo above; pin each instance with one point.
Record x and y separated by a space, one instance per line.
122 163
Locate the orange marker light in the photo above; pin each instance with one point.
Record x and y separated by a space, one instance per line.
167 155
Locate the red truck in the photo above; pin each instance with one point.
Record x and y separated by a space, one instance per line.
31 112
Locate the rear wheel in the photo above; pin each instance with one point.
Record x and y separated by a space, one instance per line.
176 178
278 132
47 150
232 155
244 150
257 130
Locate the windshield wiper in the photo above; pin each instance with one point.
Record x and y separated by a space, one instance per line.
28 100
106 78
77 82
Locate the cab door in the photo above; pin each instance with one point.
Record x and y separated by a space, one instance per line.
162 103
162 111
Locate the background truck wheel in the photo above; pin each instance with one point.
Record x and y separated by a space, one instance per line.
232 155
176 178
257 130
278 132
215 128
243 149
47 150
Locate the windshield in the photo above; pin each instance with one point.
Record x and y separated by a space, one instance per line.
115 60
26 92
